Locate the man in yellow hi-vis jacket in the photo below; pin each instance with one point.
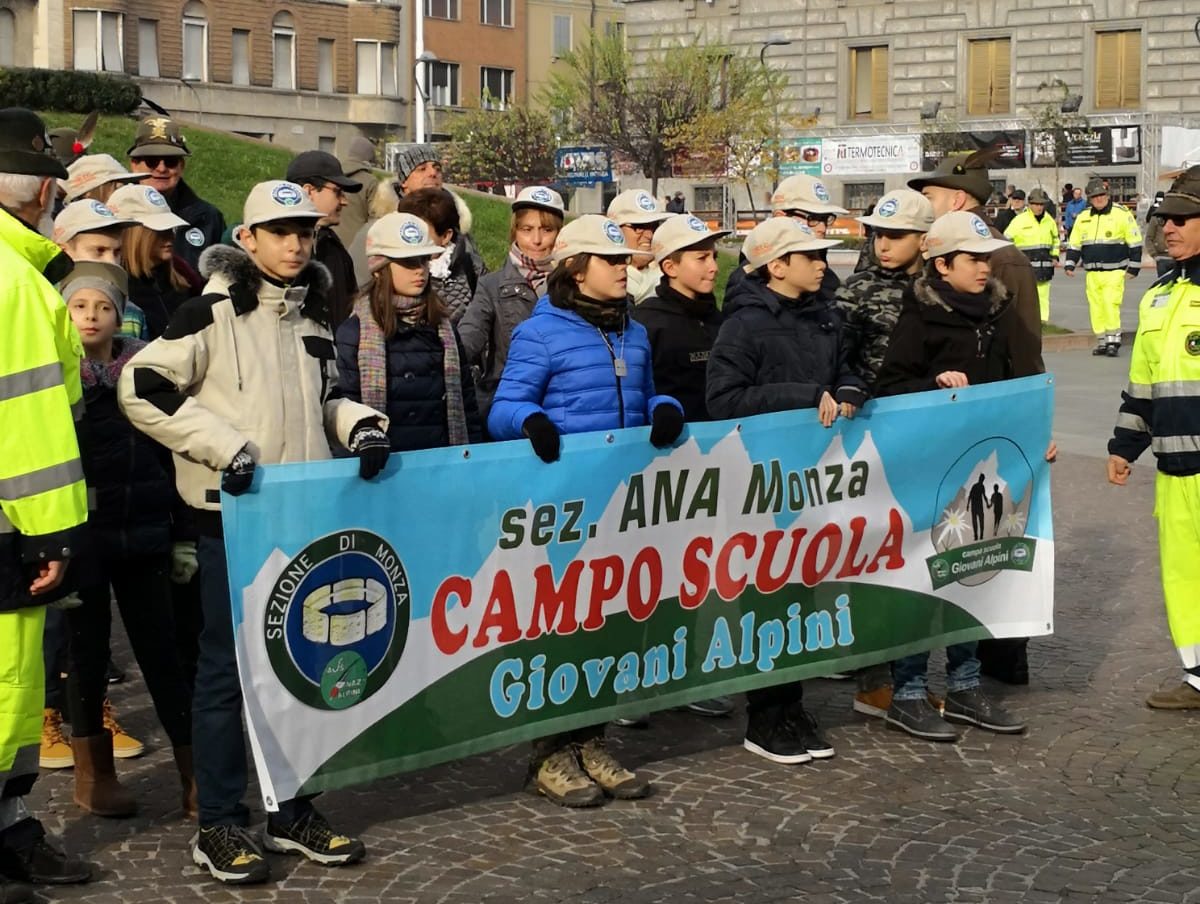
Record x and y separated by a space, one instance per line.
43 502
1035 233
1107 240
1161 409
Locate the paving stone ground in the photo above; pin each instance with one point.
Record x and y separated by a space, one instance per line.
1094 804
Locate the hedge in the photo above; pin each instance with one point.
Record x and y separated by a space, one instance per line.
69 91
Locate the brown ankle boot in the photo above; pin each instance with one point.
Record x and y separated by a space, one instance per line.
96 787
187 781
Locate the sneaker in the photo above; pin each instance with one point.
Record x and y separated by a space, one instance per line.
714 708
808 733
124 746
1182 696
876 703
230 854
604 769
632 722
973 707
114 673
920 720
562 780
38 862
773 737
309 834
55 752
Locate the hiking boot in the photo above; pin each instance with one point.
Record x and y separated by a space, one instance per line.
613 778
55 752
876 703
124 746
631 722
561 779
36 861
714 708
15 892
309 834
773 737
920 720
230 854
1101 348
97 788
972 707
808 733
1182 696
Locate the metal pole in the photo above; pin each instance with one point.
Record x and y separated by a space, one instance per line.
762 61
418 50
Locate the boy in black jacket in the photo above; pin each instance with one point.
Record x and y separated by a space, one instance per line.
780 348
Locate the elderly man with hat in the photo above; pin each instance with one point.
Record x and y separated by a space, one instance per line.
43 501
1035 233
160 149
1107 241
639 214
1160 410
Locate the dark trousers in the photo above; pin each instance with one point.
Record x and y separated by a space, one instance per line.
778 695
55 641
142 590
189 620
219 749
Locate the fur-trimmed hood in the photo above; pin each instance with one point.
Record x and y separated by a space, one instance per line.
231 271
927 295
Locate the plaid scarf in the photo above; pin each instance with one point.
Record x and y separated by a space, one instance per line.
372 362
535 272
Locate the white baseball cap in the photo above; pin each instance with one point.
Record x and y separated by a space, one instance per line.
959 231
804 193
636 207
396 236
903 210
145 206
539 197
93 170
590 234
85 216
680 231
276 200
777 236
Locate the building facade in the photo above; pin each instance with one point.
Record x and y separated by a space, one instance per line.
557 27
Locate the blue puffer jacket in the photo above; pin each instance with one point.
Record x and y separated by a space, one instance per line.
558 365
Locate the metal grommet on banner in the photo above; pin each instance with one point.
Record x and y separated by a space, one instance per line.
610 438
466 453
738 428
954 397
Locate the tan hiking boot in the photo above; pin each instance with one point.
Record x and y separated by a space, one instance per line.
876 703
1182 696
124 746
560 779
615 779
55 752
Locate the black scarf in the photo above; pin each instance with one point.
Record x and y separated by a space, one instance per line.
700 307
972 305
607 315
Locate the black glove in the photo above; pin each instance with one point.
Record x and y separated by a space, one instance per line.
240 473
372 447
666 425
542 436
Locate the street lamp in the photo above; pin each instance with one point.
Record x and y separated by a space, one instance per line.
424 58
762 61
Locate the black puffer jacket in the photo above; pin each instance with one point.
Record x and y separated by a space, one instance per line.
416 385
777 354
682 332
329 250
931 337
159 299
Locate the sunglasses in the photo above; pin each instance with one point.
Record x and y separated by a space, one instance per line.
1177 220
813 219
155 162
616 260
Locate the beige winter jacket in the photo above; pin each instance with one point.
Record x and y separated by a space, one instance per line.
248 364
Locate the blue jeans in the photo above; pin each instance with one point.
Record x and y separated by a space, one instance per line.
910 675
218 745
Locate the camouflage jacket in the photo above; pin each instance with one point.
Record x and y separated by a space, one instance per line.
869 303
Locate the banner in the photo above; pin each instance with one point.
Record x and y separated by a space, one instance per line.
800 156
1101 146
1011 145
583 165
877 155
475 597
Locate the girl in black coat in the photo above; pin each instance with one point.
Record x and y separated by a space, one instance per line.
398 352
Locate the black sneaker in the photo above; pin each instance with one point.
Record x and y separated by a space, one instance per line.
771 735
311 836
231 855
15 892
38 862
972 707
808 732
919 719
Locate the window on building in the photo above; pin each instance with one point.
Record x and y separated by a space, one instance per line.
708 198
241 57
868 82
861 195
99 40
325 75
1118 69
283 51
496 12
326 143
441 9
376 64
148 48
495 88
561 42
989 77
612 28
8 37
441 84
195 42
1122 189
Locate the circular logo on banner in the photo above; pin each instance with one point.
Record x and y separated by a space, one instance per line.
888 208
337 619
194 237
410 234
821 192
287 195
696 224
1192 343
980 228
645 202
541 195
155 198
613 231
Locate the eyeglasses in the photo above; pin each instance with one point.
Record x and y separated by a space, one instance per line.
813 219
1177 220
155 162
338 191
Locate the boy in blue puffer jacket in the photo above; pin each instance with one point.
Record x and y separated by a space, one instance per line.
580 364
781 348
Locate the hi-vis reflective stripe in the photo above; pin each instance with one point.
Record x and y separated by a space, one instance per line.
1190 656
1177 389
47 376
1140 391
1128 421
42 481
1104 266
6 526
1170 444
